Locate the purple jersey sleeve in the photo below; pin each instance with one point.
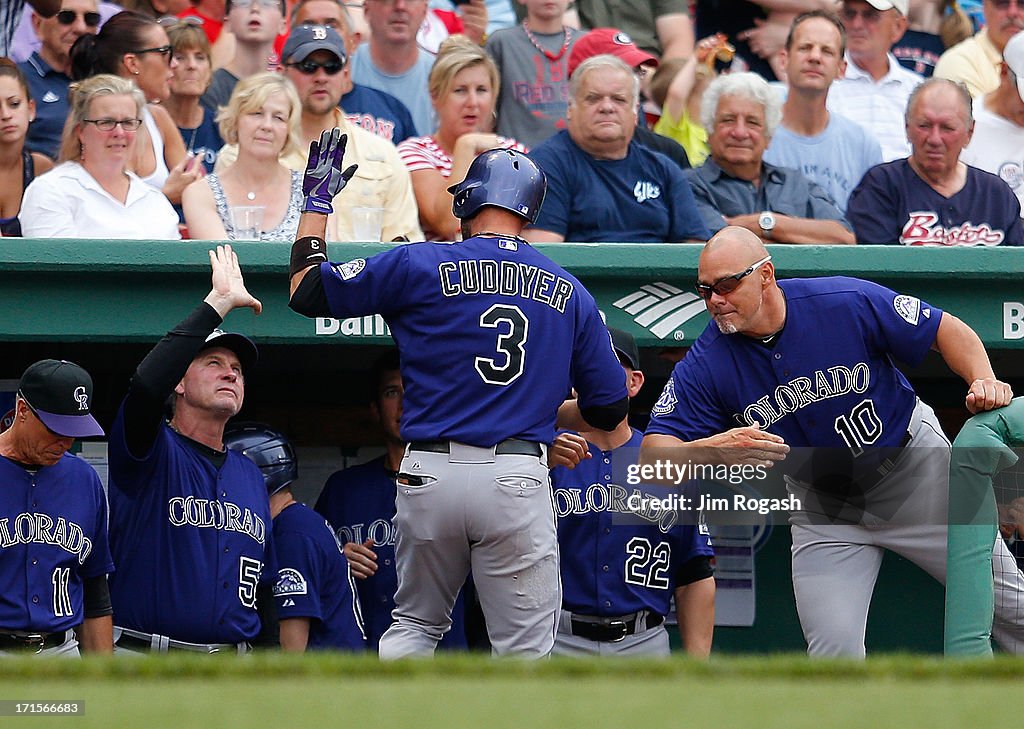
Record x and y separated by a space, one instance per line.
833 361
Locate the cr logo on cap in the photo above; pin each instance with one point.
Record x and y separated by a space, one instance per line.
82 398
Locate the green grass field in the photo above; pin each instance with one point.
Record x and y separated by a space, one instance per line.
476 692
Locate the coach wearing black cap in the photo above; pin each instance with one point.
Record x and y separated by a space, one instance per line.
189 520
54 557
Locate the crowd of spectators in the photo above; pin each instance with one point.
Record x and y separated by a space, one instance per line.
776 118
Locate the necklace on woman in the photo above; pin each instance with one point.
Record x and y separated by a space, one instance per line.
550 56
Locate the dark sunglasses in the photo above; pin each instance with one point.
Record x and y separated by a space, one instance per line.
67 17
309 67
729 284
162 50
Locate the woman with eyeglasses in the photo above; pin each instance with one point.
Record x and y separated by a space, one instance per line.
263 119
190 78
92 193
137 48
463 87
18 166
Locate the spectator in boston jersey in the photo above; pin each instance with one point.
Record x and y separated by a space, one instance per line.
532 60
372 110
932 27
931 197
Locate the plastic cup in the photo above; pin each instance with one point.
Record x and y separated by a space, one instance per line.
367 224
247 221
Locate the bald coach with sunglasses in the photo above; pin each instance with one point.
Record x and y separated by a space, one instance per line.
808 364
46 70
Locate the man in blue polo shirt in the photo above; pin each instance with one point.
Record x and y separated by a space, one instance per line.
45 70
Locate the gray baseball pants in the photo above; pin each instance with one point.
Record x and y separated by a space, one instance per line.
835 566
473 509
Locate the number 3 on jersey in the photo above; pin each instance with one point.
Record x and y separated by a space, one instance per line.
513 328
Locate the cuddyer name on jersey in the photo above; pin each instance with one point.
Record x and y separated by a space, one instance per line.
507 278
206 513
43 529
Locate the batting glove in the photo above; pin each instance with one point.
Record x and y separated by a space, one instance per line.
323 178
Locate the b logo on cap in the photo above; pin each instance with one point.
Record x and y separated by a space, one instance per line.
82 398
319 34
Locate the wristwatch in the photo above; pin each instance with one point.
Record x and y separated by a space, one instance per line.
767 222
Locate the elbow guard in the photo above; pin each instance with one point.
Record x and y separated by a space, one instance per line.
606 417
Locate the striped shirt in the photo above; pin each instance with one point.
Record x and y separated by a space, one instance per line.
10 15
878 106
423 153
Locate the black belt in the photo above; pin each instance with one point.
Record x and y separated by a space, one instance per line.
612 630
512 446
34 642
145 644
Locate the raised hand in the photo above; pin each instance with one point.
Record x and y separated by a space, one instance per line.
228 291
324 178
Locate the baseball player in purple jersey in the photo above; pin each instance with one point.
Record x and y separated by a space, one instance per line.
492 335
315 595
54 556
189 519
618 578
809 363
359 504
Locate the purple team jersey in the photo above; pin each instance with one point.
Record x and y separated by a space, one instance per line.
828 381
611 568
492 335
53 535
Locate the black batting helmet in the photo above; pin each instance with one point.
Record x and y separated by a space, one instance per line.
503 178
268 449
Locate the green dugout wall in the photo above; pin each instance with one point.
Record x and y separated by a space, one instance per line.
104 303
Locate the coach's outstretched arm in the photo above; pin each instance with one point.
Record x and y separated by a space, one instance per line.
964 353
158 373
321 183
746 445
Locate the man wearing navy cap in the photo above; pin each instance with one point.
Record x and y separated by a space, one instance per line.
54 557
189 519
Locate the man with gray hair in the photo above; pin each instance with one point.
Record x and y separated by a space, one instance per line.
931 197
735 186
602 184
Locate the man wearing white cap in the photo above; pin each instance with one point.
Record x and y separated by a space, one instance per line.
998 142
876 88
975 62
